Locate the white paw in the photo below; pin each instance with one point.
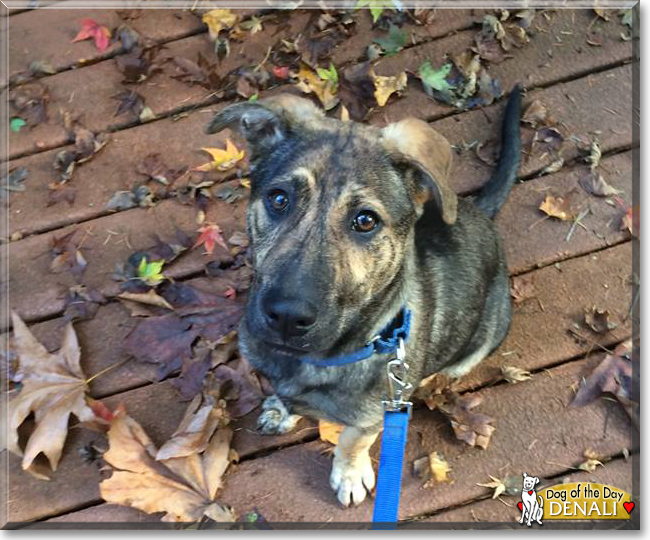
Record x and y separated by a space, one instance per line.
352 480
275 419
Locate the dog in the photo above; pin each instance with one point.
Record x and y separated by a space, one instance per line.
532 505
349 225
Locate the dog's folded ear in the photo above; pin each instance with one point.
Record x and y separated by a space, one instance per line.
413 144
267 122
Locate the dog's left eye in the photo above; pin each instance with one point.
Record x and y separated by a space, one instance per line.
278 200
365 221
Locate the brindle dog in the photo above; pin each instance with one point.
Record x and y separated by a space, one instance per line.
349 224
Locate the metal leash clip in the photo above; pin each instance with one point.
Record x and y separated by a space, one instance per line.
397 370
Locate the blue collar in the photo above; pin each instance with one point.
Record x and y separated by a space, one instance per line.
385 342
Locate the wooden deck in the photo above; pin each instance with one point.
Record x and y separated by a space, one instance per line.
588 90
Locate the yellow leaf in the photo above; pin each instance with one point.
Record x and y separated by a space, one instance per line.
439 468
53 387
222 160
325 90
557 206
219 19
329 431
387 86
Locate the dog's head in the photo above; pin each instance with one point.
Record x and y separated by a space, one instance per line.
530 482
331 218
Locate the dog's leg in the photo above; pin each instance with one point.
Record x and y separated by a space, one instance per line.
275 418
352 473
523 511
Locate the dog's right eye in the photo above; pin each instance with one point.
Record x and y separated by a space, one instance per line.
278 200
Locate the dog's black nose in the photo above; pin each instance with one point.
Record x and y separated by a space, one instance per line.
290 317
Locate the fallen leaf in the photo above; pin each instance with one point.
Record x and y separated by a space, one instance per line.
357 91
53 388
184 488
435 78
387 86
536 114
497 485
522 288
394 42
218 20
613 375
627 17
557 206
630 221
13 181
150 298
598 320
211 235
325 89
222 159
470 427
594 183
439 468
150 272
123 200
589 465
329 431
514 375
601 13
66 254
30 101
82 303
93 30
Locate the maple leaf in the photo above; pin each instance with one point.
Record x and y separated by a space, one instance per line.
435 78
53 387
497 485
557 206
184 487
218 20
150 272
387 86
210 236
325 89
91 29
222 159
394 42
470 427
329 431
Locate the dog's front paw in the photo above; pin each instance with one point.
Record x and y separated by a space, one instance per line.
352 480
275 418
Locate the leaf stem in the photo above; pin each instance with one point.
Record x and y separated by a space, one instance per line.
106 370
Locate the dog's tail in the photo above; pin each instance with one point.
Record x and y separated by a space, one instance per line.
495 192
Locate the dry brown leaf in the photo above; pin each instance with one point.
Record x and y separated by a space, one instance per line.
599 320
553 167
536 114
522 288
594 183
497 485
150 298
557 206
470 427
218 20
53 387
514 374
329 431
387 86
193 434
183 487
325 90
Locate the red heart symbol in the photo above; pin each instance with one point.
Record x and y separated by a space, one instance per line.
530 492
629 506
520 505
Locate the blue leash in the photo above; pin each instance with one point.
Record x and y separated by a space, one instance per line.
397 413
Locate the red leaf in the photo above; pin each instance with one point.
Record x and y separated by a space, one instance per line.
91 29
210 235
100 410
281 72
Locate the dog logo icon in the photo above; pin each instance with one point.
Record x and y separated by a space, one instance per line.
531 505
